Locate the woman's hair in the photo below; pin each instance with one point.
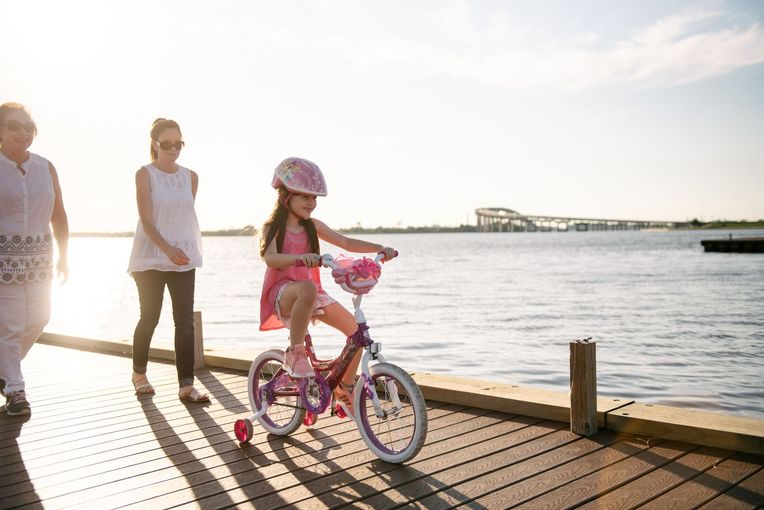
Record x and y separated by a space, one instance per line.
7 108
157 127
275 226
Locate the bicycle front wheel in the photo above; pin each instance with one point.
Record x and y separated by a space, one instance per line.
285 411
398 431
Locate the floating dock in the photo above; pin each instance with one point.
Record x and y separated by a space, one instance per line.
91 443
735 244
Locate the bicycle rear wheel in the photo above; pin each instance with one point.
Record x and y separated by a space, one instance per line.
400 432
285 411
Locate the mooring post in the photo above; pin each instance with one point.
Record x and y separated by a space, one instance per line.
198 341
583 387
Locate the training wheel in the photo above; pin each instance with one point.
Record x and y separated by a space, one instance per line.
243 430
310 419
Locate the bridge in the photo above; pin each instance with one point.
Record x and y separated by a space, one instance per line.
498 219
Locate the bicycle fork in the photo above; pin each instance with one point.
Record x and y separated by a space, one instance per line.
373 352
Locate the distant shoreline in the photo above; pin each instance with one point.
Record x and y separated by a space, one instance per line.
250 231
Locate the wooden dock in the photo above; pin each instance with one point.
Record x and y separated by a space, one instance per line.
91 443
735 244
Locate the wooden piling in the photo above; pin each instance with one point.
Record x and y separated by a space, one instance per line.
583 387
198 341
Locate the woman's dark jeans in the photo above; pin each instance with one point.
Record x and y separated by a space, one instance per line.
151 285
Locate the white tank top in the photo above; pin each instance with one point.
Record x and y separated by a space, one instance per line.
174 217
26 205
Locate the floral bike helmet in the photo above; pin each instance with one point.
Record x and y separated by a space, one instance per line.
301 176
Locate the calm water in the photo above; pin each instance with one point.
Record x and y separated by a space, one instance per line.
673 325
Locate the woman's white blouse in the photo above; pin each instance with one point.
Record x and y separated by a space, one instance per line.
26 205
174 217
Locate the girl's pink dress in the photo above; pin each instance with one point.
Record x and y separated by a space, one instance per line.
275 279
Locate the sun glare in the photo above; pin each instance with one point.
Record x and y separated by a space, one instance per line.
81 306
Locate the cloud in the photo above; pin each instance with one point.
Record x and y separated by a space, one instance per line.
496 49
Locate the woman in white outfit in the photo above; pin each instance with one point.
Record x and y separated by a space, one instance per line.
167 249
30 202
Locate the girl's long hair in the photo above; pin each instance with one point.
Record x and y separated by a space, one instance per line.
275 226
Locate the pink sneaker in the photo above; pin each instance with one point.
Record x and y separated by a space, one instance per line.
296 362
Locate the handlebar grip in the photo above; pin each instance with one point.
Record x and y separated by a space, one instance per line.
395 254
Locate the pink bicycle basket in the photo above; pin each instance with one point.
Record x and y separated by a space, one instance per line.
357 276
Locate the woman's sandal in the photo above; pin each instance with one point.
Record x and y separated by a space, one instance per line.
343 394
143 387
193 396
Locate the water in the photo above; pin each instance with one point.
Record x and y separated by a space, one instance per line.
673 325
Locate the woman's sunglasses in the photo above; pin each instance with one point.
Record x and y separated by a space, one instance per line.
166 145
17 125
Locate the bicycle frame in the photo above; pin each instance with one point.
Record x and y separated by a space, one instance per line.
359 339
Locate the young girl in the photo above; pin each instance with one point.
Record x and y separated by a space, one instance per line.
292 294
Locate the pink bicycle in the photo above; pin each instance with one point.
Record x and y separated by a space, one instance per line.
390 411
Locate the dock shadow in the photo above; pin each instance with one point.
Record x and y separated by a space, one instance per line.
225 398
340 487
16 487
209 491
194 471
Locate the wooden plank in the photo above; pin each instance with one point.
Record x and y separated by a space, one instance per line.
173 452
537 482
70 469
180 455
709 484
118 450
141 407
198 428
542 404
738 433
242 379
438 476
474 488
125 348
296 474
508 398
747 494
89 474
102 411
173 479
104 432
589 487
659 481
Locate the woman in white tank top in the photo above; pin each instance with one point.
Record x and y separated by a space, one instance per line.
167 249
30 202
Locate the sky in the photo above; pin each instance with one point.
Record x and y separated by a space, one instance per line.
418 112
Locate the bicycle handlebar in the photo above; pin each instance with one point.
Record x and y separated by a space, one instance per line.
327 260
355 276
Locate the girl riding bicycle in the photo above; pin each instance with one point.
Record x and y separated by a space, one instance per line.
292 294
